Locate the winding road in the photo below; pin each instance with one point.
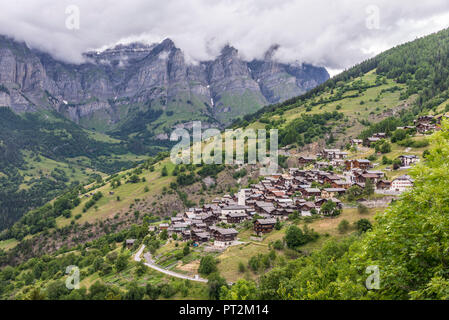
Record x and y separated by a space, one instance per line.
149 262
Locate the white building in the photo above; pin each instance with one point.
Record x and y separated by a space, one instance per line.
233 209
407 160
401 183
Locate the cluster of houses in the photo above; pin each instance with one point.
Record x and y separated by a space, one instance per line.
428 124
276 197
299 190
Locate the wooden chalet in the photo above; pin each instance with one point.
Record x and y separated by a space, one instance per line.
264 225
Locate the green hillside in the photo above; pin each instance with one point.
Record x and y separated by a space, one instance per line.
407 244
42 154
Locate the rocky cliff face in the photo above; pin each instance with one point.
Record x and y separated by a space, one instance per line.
114 88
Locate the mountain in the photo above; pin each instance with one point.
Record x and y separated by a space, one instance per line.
115 89
136 93
370 97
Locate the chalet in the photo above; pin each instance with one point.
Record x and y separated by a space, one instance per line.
304 161
176 219
424 128
186 235
236 217
380 135
207 218
199 224
189 215
370 141
331 154
329 178
264 225
180 227
310 192
130 243
307 206
278 193
270 199
383 185
267 210
341 184
379 174
261 205
320 202
223 236
163 226
358 164
407 160
338 163
356 142
362 178
401 183
425 120
200 236
332 192
425 124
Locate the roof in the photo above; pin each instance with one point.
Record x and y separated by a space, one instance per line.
409 156
312 190
264 204
266 221
224 231
362 161
202 234
341 182
180 225
369 175
404 177
309 204
334 189
237 215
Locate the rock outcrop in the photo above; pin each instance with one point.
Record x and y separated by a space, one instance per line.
115 86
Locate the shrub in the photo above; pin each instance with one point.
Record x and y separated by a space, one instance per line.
343 226
208 265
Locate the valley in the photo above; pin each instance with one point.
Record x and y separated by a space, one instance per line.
361 182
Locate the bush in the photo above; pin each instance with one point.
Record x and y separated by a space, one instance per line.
242 267
343 226
208 265
363 225
295 237
278 245
362 208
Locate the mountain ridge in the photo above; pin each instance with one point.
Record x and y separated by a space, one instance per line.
109 89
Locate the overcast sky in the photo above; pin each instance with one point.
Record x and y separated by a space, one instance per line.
331 33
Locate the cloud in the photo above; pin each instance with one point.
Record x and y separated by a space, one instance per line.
334 34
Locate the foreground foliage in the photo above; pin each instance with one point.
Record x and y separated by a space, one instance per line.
408 243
